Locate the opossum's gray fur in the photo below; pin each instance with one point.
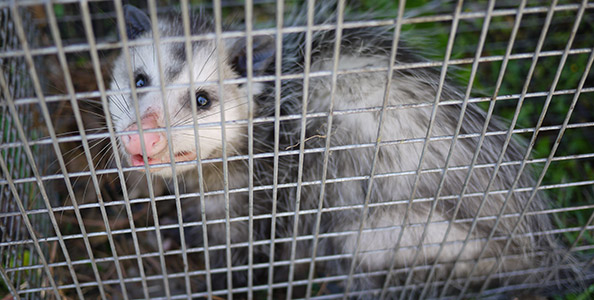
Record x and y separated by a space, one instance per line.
361 47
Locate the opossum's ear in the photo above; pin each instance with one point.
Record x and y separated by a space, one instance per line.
137 22
262 54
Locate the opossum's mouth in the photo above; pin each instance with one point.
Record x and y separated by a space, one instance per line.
185 156
137 159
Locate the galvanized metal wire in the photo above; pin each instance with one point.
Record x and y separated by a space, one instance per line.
42 257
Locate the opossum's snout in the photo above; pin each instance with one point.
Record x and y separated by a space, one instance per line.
155 144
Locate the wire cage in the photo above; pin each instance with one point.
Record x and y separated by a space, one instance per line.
79 219
17 125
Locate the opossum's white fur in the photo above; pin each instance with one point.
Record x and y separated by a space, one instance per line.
365 47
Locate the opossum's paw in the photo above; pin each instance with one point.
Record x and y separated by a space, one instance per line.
170 234
194 236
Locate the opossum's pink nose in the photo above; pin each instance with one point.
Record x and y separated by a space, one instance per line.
154 142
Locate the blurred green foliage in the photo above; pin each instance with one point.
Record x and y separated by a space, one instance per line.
585 295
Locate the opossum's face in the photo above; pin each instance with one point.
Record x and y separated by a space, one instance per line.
173 102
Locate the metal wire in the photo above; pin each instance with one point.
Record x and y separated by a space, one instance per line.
335 59
277 111
306 82
188 46
147 268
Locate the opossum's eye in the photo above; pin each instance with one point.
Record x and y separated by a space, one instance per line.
141 80
202 101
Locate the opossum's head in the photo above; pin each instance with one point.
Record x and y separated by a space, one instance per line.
174 100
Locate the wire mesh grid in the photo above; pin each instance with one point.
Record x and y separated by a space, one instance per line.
93 224
14 228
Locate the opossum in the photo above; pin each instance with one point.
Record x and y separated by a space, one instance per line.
337 160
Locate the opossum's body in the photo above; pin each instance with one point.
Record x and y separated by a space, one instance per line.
353 137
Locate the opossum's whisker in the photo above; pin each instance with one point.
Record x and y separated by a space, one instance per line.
64 154
134 185
120 104
84 169
77 156
214 127
181 107
106 150
101 116
218 139
100 155
256 140
189 116
120 100
75 132
166 186
215 69
219 112
206 62
91 102
142 59
110 160
183 181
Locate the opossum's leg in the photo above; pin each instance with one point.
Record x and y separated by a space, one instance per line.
217 237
